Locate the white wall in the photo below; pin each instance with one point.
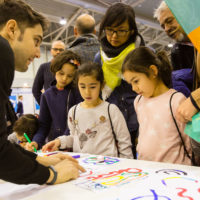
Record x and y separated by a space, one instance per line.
28 99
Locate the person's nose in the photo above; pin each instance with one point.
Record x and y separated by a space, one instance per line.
37 53
167 28
87 91
64 78
134 88
114 34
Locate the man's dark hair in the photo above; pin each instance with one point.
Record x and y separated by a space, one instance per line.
22 13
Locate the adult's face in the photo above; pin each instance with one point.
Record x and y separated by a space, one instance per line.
171 26
57 48
27 47
118 35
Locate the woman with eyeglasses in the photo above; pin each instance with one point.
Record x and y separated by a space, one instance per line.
118 36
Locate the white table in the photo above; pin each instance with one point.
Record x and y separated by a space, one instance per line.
157 181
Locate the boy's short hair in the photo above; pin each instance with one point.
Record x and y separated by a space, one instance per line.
20 96
22 13
28 124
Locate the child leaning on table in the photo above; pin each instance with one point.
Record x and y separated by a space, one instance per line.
89 123
28 124
150 77
58 99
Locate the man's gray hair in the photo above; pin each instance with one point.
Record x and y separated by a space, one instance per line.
163 6
57 42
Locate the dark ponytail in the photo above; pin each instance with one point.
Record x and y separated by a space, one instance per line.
165 69
140 59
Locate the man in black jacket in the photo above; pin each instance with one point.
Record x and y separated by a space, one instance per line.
21 32
20 106
44 77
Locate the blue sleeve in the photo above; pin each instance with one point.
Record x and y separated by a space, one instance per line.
38 84
45 121
181 81
97 58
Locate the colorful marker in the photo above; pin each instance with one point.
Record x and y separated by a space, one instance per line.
76 156
49 154
29 141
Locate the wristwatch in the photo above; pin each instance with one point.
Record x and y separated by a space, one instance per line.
55 173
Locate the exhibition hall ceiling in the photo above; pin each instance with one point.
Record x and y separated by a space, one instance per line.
54 10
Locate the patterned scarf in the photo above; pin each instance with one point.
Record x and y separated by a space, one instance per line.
112 70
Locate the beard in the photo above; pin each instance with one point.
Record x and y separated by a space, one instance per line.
178 34
180 38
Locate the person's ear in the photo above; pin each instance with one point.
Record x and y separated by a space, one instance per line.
132 32
94 32
102 85
75 31
11 29
154 70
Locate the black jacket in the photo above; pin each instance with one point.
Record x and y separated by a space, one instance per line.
43 79
16 164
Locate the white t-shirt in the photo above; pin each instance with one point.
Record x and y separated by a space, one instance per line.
91 131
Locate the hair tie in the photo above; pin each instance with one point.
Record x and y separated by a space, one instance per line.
75 62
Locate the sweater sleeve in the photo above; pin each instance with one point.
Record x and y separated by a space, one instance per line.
45 121
67 141
121 131
38 84
196 96
13 138
19 167
16 165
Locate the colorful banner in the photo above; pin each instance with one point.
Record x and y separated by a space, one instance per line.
187 13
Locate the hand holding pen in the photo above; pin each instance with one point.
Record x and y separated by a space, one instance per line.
31 145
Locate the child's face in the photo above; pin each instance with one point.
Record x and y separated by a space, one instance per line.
141 83
89 89
65 75
22 140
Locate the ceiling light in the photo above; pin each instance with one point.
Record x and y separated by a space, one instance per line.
25 84
170 45
63 21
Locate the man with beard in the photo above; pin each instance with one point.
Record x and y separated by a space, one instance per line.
191 105
21 33
182 53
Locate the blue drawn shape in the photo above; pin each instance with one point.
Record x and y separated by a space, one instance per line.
169 171
154 197
107 160
185 178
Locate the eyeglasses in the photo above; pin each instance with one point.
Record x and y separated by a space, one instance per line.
120 33
56 49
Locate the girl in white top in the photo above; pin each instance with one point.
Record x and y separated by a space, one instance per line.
89 123
150 77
